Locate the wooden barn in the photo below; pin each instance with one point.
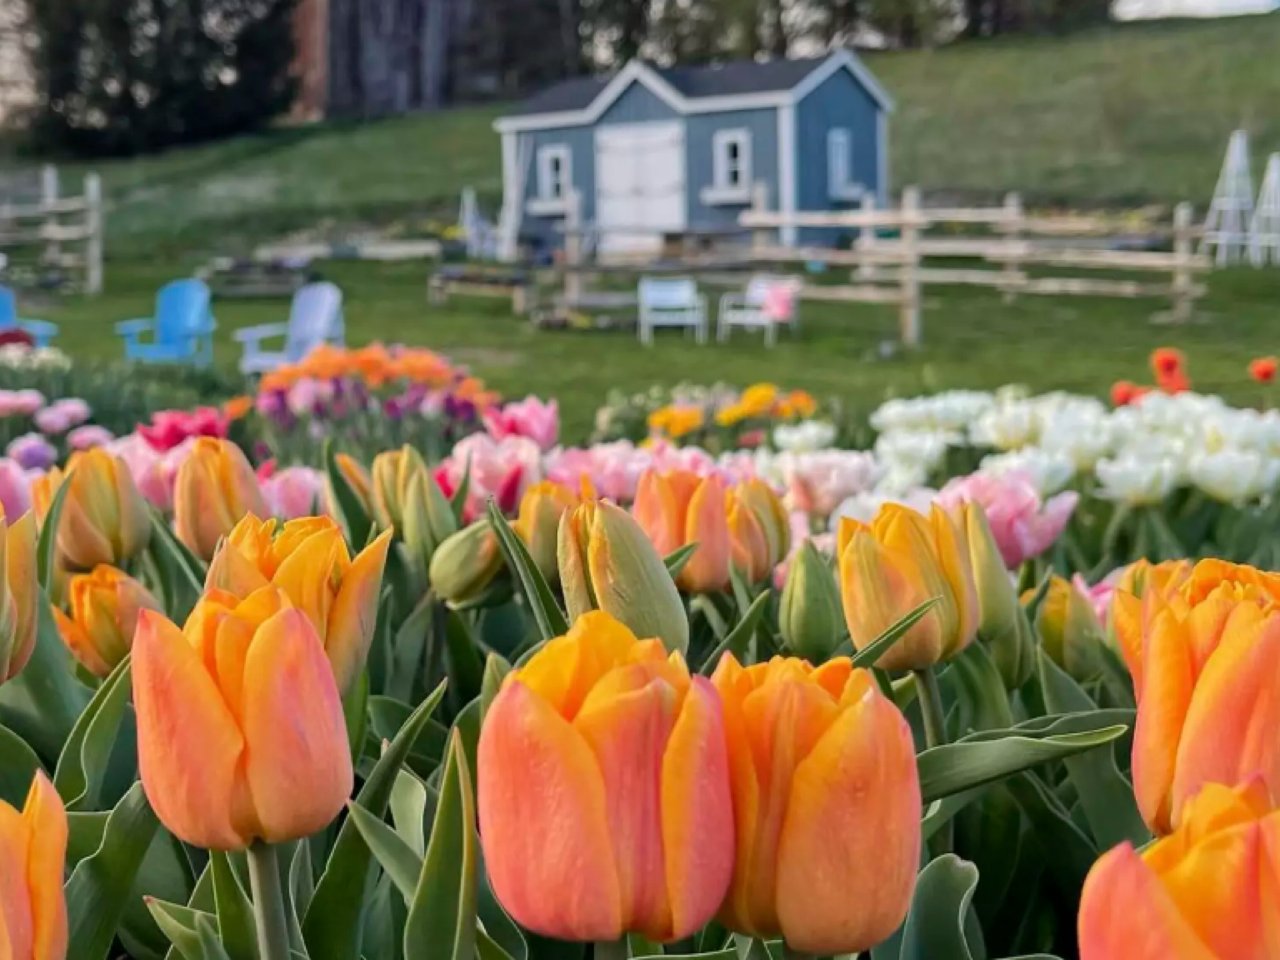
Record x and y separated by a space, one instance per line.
652 152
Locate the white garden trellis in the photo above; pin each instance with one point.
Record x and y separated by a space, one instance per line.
1264 227
1226 229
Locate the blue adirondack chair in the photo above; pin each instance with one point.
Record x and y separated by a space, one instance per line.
41 331
181 330
315 317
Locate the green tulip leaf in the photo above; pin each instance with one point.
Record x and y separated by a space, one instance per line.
737 639
459 499
18 766
873 651
98 890
547 614
331 926
1106 797
397 858
496 668
1060 723
442 913
675 560
347 505
984 703
236 924
47 544
936 924
1068 852
181 572
409 810
955 767
87 756
407 649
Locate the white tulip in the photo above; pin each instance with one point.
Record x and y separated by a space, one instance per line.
1136 481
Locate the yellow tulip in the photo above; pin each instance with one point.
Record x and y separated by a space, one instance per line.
538 523
33 849
105 605
104 517
20 594
214 490
308 560
898 561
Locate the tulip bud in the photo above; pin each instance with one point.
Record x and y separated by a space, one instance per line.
390 477
104 517
826 804
33 848
308 559
466 563
538 524
357 478
603 790
1069 629
1002 624
406 498
768 509
607 563
215 489
241 735
105 605
20 595
679 508
809 616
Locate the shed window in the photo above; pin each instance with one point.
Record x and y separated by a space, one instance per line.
840 182
554 172
730 167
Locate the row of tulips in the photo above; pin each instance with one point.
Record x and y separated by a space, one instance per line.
411 728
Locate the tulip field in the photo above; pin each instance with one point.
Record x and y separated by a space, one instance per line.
369 664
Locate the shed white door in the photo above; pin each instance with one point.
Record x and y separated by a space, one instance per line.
640 185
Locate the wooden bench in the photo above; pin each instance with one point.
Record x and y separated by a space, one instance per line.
478 281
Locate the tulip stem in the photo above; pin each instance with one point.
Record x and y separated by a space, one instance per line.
611 950
790 953
268 902
935 725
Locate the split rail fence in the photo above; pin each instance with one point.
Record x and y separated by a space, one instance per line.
44 230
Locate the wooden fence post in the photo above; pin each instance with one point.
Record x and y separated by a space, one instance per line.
573 245
1183 282
49 201
94 224
759 205
865 244
909 318
1013 229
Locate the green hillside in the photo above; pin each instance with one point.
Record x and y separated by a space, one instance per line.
1120 116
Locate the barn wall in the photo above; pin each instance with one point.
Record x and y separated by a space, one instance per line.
700 129
581 143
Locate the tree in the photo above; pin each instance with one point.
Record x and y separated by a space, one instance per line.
125 76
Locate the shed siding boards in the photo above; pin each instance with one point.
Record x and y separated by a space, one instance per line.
840 102
581 144
637 104
700 128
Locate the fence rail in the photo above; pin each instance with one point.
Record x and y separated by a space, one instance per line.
41 228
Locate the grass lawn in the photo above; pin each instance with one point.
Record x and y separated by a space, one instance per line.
972 339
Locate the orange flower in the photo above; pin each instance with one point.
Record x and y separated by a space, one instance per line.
603 789
1203 647
1167 361
676 421
826 804
1263 369
237 407
679 508
1125 392
104 518
1207 891
104 614
797 404
33 848
240 729
20 594
308 560
214 489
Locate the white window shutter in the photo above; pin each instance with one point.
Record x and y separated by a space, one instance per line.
839 155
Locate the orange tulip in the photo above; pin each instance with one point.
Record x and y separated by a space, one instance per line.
538 523
104 614
759 529
33 846
307 558
19 594
603 789
240 729
215 488
104 517
1206 892
678 508
1205 660
826 803
898 561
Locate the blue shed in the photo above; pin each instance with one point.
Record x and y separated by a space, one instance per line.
654 151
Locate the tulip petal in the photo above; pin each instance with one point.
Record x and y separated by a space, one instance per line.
307 574
548 851
851 833
1164 698
298 762
697 812
355 610
658 512
45 820
17 926
706 524
181 715
1125 912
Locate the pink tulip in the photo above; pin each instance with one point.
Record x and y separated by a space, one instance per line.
153 471
89 436
20 403
530 418
169 428
499 468
15 488
818 481
293 492
1023 525
1099 595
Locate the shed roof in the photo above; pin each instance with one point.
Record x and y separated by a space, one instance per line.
716 80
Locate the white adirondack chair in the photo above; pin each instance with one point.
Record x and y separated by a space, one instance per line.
749 309
671 302
315 317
